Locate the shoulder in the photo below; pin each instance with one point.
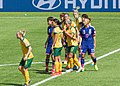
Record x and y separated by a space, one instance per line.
92 27
25 40
56 29
79 19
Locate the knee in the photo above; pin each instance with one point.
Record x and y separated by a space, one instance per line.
19 68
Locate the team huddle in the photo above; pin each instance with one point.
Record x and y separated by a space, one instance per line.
72 36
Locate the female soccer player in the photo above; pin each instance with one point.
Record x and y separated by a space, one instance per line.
27 56
48 44
57 36
88 43
72 42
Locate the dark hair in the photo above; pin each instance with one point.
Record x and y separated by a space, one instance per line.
57 21
84 15
62 14
50 18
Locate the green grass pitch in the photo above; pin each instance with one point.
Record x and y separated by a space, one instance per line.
108 39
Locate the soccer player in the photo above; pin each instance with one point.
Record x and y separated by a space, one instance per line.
48 44
78 19
72 42
57 36
67 17
62 23
27 56
88 36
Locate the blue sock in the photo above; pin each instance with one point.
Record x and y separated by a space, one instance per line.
80 55
82 62
94 60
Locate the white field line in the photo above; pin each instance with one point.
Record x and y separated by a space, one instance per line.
3 65
30 17
100 57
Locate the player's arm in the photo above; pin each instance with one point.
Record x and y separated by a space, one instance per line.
94 37
94 41
54 41
70 35
80 38
46 41
27 44
77 31
80 41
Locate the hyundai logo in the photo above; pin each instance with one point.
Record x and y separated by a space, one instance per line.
46 4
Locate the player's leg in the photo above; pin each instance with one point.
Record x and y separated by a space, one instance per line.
83 52
57 53
21 66
75 59
47 62
48 53
28 65
70 56
93 57
94 60
53 63
21 69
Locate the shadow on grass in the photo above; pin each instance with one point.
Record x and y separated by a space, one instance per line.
13 84
39 71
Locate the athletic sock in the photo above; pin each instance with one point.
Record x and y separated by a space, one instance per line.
27 77
71 62
56 66
60 66
76 61
82 62
46 63
94 60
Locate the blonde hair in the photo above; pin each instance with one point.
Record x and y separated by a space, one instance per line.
23 33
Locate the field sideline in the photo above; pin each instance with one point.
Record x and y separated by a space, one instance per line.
107 27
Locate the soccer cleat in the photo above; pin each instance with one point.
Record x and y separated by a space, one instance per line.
29 81
92 64
25 85
67 67
69 70
65 62
81 69
75 67
55 74
95 66
53 71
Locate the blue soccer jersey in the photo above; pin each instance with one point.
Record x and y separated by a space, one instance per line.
50 40
49 31
87 35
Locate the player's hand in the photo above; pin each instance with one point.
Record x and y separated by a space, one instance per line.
52 48
25 58
94 45
45 46
79 46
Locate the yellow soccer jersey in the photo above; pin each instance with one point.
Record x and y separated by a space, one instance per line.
59 34
72 24
70 41
77 23
25 44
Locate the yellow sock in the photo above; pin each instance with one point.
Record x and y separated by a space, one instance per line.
57 66
71 62
60 66
68 64
26 77
76 61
